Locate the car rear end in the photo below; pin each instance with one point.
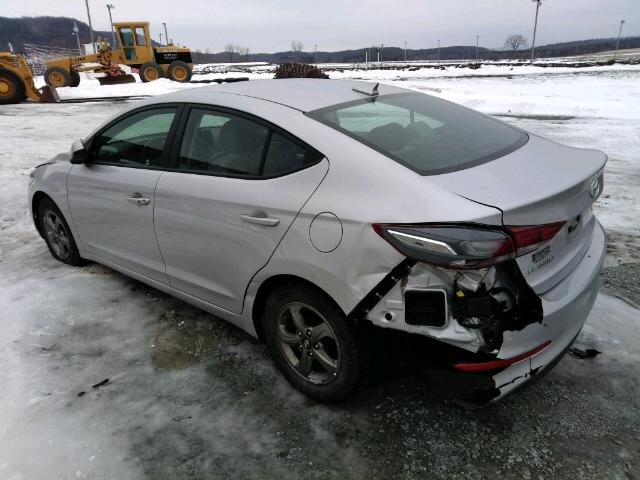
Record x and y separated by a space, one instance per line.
507 300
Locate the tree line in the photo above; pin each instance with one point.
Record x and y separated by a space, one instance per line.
58 32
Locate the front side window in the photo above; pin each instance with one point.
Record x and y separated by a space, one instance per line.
424 133
126 36
137 140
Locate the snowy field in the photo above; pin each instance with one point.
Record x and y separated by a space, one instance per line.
191 397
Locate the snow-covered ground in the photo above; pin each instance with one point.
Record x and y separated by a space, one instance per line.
190 397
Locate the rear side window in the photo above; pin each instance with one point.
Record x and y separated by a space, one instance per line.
424 133
284 155
136 140
140 37
221 143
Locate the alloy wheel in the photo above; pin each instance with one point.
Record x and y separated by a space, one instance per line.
309 343
56 234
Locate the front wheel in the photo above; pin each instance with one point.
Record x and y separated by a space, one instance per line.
11 87
57 77
56 233
312 343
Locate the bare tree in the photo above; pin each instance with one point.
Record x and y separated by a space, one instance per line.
243 53
230 49
514 42
296 46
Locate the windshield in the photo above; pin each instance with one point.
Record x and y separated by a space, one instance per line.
424 133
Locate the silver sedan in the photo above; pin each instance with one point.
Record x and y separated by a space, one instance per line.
311 213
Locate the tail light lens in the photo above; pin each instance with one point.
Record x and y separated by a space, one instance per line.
464 247
529 237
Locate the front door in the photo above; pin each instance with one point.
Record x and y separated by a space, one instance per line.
111 197
227 200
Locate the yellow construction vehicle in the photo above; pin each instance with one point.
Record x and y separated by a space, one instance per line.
16 82
134 49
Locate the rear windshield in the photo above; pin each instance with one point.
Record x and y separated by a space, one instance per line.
424 133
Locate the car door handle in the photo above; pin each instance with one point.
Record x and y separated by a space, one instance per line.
139 200
260 218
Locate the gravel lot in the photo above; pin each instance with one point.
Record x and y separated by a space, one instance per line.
189 396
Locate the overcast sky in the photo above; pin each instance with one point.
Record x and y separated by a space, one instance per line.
271 25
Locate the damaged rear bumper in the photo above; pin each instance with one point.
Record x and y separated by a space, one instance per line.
525 351
565 309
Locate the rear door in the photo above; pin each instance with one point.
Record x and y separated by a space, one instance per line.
235 185
111 197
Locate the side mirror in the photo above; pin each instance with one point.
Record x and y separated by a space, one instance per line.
79 153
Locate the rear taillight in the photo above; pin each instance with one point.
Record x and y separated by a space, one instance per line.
450 246
527 238
464 246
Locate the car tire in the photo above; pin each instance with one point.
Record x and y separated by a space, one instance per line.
179 71
57 234
57 77
150 71
11 87
312 342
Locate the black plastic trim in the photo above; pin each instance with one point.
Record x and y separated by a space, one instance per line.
372 298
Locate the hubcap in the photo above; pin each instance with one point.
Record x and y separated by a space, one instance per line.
309 343
179 73
6 87
151 74
57 234
56 79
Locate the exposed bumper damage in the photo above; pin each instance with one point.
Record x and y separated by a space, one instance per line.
501 332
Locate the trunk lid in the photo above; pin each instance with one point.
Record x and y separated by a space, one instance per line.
542 182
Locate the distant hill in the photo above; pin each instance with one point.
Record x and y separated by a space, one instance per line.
564 49
58 32
51 31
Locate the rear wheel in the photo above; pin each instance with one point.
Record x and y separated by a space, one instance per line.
57 234
312 343
57 77
11 87
179 71
150 71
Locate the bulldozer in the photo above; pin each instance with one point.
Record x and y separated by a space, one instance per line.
16 82
134 49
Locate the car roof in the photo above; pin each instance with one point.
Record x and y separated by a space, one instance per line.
304 94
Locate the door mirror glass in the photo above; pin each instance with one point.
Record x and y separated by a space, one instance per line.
79 153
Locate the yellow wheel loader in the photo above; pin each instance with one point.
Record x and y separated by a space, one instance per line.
134 49
16 82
